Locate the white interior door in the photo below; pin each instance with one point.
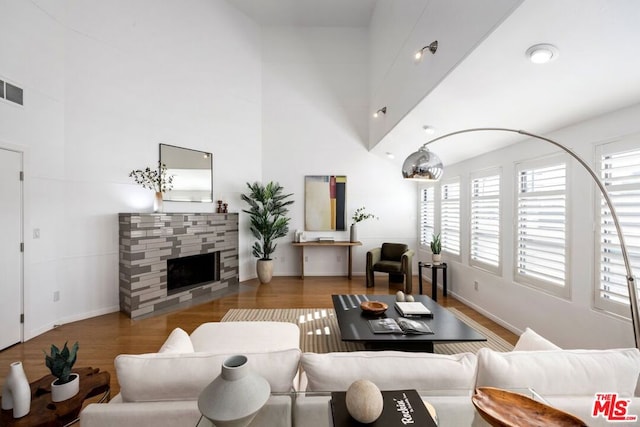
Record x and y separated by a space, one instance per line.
10 252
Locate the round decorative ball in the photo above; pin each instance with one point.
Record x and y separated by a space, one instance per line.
364 401
400 296
409 298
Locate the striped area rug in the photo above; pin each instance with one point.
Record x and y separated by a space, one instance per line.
319 332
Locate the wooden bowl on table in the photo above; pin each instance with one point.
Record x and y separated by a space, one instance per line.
374 308
502 408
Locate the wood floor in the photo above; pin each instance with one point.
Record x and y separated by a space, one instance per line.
102 338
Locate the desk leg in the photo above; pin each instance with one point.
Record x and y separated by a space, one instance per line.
444 281
434 283
350 261
302 262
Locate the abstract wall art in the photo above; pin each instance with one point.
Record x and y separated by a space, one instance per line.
325 202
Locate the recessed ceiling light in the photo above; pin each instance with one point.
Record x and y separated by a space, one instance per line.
542 53
390 155
428 130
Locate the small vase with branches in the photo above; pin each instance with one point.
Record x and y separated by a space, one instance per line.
157 180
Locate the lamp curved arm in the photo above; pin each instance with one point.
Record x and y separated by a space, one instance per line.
633 298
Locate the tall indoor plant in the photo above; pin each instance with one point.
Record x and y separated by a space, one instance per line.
268 215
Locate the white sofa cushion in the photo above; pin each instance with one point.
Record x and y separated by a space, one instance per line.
167 376
561 372
389 370
530 341
177 342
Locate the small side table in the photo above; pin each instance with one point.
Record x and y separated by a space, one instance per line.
434 278
45 413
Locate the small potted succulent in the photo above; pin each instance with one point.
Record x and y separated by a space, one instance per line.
436 248
60 363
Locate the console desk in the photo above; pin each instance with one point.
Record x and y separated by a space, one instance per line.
346 244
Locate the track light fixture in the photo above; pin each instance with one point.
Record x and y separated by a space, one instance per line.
431 47
380 112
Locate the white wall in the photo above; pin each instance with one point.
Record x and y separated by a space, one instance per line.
315 117
105 83
571 323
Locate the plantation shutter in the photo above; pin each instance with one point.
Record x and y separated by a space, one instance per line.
620 173
485 222
450 217
427 215
541 241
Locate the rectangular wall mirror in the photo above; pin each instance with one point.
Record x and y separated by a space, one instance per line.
193 174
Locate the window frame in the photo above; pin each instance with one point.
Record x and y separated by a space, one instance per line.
443 202
564 290
600 302
421 190
495 269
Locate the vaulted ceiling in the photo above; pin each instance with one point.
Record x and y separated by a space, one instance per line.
596 71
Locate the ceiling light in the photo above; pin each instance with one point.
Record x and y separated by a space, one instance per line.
542 53
432 47
380 112
429 130
390 155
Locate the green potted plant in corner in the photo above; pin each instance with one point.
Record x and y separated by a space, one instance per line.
436 248
358 216
60 363
267 213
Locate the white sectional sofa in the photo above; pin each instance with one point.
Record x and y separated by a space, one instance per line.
161 389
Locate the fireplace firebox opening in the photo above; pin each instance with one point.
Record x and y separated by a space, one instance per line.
192 271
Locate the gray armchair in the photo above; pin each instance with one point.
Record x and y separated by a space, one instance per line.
393 258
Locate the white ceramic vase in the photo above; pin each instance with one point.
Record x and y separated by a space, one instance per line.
234 398
354 233
16 393
61 392
264 268
436 258
157 202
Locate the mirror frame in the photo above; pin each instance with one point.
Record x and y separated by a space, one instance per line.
167 195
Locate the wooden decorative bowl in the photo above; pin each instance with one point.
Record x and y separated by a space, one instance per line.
502 408
373 307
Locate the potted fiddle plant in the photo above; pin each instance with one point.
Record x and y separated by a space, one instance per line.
268 215
436 248
60 362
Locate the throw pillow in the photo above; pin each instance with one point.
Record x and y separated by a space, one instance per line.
177 342
389 370
530 341
561 372
166 376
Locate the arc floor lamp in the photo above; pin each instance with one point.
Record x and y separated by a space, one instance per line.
423 165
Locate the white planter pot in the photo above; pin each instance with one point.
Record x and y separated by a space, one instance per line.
436 258
61 392
354 233
264 268
16 393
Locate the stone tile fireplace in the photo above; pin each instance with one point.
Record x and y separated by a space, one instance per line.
196 252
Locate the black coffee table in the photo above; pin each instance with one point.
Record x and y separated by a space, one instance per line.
354 325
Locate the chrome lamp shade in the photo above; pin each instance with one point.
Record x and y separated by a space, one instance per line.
422 165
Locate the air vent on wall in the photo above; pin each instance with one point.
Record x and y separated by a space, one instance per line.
11 93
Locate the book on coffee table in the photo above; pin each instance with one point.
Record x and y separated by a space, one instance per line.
416 309
401 408
388 325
